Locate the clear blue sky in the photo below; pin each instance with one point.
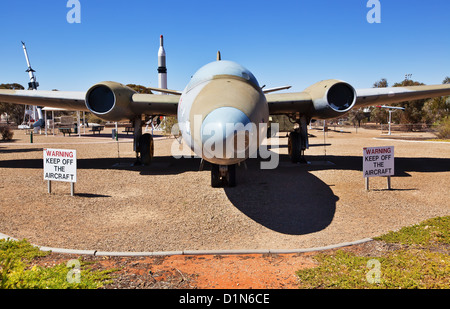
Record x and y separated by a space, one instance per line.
282 42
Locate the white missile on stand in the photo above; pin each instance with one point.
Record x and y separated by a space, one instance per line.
33 84
162 70
162 77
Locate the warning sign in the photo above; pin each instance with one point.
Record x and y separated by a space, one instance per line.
378 161
60 165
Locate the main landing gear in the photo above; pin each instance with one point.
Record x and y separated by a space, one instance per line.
223 175
142 144
146 148
298 141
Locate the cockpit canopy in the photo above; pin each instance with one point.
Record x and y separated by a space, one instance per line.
222 67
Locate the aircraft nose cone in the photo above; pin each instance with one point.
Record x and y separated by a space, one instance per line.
226 132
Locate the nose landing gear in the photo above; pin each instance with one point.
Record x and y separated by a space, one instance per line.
223 175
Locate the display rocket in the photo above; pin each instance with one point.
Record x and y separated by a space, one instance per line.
162 70
32 85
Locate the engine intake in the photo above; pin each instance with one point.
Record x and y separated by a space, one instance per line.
331 98
110 101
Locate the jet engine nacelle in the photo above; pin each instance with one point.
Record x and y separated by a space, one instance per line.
331 98
110 101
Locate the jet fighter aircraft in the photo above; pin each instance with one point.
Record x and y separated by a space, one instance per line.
222 101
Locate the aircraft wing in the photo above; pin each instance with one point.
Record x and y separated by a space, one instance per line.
285 103
325 99
155 104
332 98
371 96
67 100
112 101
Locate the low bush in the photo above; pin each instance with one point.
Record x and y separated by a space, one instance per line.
17 272
443 130
6 133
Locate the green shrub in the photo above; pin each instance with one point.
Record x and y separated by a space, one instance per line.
427 233
443 130
423 262
406 269
17 273
6 133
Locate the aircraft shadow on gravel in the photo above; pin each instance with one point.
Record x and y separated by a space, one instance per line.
168 165
288 200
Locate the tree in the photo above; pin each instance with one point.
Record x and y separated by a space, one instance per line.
356 116
140 88
379 115
382 83
437 109
413 113
437 112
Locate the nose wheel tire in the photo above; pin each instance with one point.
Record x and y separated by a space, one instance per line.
224 175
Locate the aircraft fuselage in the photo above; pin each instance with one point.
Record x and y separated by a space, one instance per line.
222 113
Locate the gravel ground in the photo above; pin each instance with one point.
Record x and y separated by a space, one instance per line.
171 206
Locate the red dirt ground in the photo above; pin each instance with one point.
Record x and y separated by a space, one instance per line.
252 271
228 272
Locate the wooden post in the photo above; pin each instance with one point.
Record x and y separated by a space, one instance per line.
49 187
367 183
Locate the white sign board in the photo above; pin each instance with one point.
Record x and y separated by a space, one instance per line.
378 161
60 165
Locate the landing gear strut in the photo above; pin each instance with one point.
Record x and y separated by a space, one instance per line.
142 144
223 175
298 141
